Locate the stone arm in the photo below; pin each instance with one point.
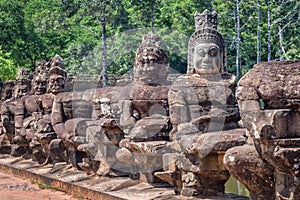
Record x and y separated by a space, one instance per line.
58 119
180 115
4 113
19 117
127 119
248 99
8 116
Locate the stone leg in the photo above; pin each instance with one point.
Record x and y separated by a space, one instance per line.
17 150
5 146
245 164
23 139
207 178
171 173
287 186
100 149
57 152
37 151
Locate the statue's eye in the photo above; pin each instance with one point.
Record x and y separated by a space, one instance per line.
213 52
201 52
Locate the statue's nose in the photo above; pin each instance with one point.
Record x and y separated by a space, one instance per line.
206 58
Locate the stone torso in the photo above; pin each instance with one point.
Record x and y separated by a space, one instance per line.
47 102
144 98
201 96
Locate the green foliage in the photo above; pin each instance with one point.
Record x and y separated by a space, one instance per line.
7 67
44 186
35 30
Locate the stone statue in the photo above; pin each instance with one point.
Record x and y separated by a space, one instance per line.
145 111
102 132
269 102
8 107
86 124
5 140
44 132
148 93
33 113
69 110
27 111
204 115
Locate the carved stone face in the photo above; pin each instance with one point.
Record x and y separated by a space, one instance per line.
7 91
207 59
39 85
20 90
56 83
6 94
149 73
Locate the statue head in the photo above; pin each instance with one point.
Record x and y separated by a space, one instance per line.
39 80
206 49
38 84
7 90
22 83
56 82
151 61
21 88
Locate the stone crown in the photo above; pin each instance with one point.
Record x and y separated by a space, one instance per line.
206 20
58 71
150 51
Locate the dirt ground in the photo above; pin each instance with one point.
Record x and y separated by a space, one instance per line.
14 188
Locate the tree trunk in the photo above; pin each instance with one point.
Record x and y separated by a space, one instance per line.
258 42
238 29
269 33
281 48
153 16
104 48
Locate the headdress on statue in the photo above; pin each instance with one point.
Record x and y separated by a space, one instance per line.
24 77
42 69
56 61
8 84
206 31
23 82
150 51
58 71
23 74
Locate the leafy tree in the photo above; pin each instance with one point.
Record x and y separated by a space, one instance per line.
7 67
34 30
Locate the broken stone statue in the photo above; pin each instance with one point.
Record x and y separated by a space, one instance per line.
269 102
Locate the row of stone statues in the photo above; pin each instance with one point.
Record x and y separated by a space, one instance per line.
186 133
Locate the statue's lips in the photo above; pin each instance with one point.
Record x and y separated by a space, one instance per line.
39 92
56 87
206 67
